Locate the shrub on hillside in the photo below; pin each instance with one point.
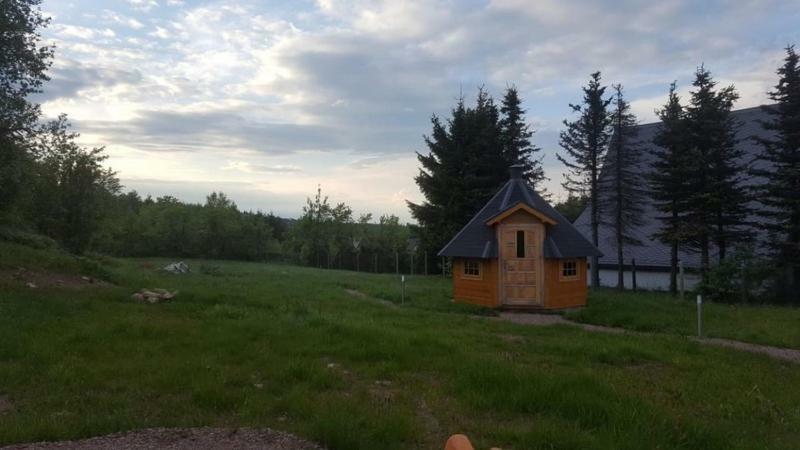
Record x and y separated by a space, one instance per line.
27 239
743 277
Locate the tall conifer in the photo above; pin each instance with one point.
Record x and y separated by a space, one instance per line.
718 204
515 136
622 194
585 141
669 179
463 168
780 192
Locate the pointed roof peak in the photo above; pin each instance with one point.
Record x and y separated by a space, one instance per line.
478 240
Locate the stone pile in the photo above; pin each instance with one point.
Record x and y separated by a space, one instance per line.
176 267
153 295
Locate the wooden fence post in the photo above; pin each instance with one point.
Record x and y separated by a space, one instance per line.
396 262
681 281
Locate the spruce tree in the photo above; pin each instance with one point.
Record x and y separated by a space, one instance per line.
780 192
585 141
669 179
718 203
621 185
515 136
463 168
487 168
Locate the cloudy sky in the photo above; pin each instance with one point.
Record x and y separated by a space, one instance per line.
265 100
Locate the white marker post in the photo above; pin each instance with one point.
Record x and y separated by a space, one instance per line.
699 316
403 289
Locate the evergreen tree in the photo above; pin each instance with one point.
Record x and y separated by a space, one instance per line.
464 167
585 141
780 192
718 203
24 61
487 168
515 136
672 167
621 185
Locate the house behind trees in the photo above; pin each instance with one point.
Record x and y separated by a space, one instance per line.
652 256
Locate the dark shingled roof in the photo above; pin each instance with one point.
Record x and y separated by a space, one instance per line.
653 253
478 240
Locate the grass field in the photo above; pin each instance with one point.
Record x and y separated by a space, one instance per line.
288 347
661 313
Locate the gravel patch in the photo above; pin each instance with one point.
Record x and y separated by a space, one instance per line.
182 439
552 319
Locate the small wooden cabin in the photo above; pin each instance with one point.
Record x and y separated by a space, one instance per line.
519 252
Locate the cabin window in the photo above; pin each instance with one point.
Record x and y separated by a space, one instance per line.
520 243
472 268
569 269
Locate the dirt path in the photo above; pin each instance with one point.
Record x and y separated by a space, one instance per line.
362 296
182 439
785 354
553 319
522 318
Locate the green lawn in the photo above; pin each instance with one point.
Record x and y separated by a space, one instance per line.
289 348
660 312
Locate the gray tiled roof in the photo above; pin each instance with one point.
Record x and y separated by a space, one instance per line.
478 240
652 252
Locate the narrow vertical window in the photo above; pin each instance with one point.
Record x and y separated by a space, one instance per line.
520 244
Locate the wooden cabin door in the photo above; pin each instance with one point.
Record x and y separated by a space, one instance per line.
521 265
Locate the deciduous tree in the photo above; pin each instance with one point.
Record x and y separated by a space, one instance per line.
24 60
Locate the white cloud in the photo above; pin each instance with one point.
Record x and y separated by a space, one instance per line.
345 90
249 167
143 5
160 33
73 31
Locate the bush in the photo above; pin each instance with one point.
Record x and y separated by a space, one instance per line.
27 239
742 277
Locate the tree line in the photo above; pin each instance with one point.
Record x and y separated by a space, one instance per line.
47 181
329 236
697 181
701 189
50 185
